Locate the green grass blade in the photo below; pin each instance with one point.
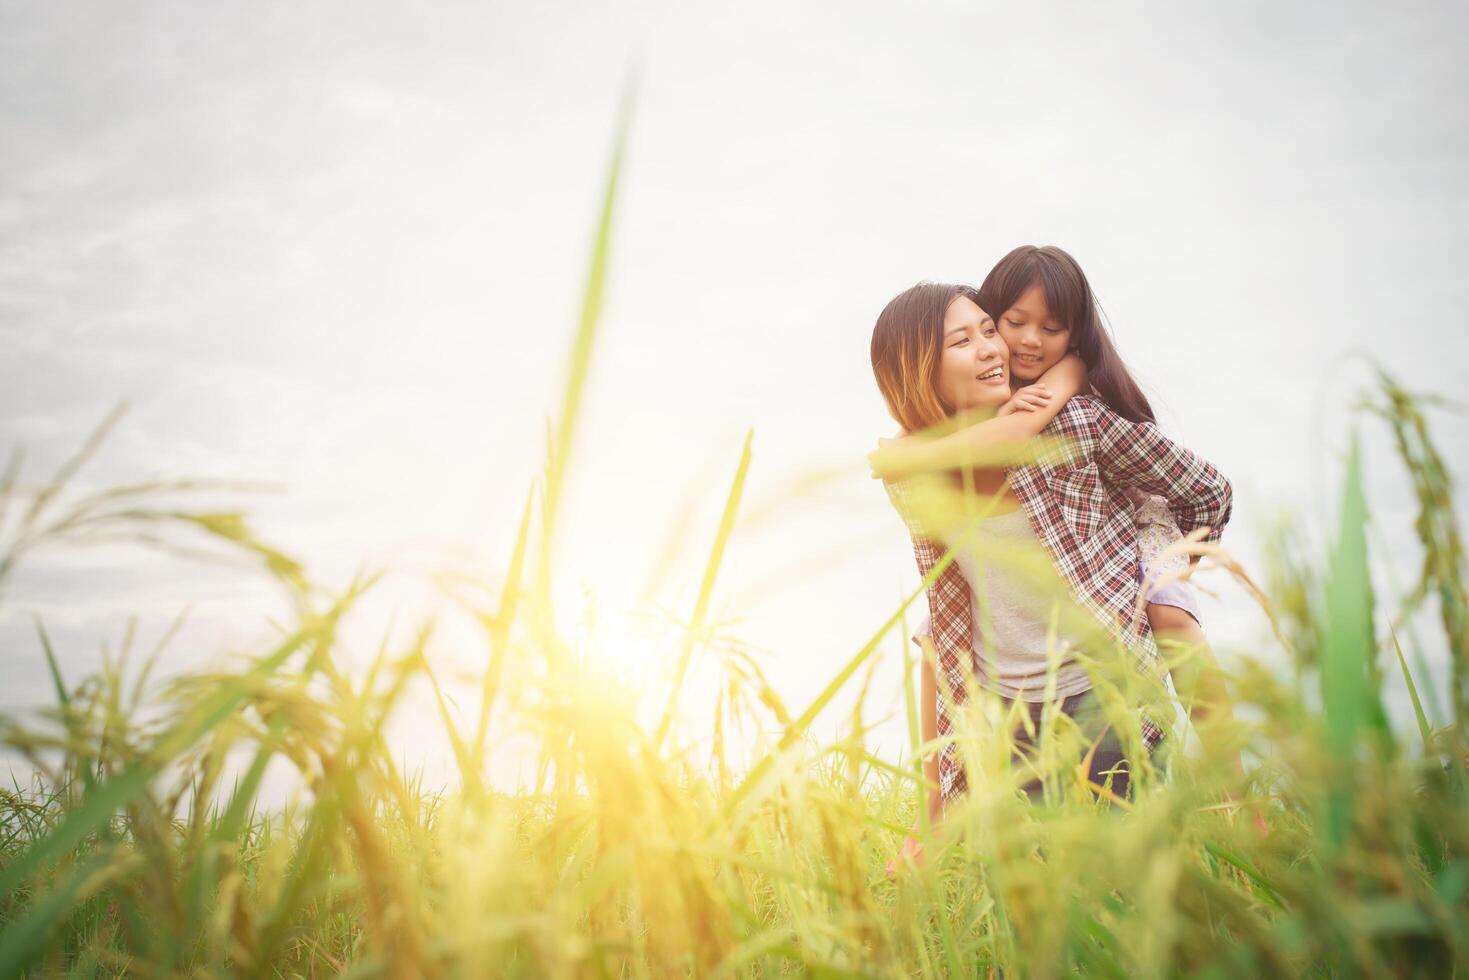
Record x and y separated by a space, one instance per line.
706 588
61 695
469 774
581 350
913 716
758 773
22 939
8 480
1424 729
1348 646
68 469
84 760
98 806
1444 572
1268 890
204 876
499 626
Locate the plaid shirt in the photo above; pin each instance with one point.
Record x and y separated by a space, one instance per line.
1075 494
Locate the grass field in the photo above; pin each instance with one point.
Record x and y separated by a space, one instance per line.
142 849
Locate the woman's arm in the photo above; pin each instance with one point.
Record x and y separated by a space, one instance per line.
1029 411
928 693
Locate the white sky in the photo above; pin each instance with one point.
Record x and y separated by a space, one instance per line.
341 248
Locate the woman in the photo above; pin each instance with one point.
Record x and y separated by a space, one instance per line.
939 357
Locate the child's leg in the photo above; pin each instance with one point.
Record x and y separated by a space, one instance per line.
1199 680
1170 623
1202 688
1182 642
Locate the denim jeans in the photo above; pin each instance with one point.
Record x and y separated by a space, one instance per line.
1107 762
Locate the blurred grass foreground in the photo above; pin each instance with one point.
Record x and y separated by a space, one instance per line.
141 846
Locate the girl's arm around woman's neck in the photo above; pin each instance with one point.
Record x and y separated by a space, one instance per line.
987 440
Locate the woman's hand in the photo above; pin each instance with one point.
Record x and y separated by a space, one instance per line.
1028 399
1258 819
912 850
1251 807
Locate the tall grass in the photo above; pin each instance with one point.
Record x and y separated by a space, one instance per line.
141 847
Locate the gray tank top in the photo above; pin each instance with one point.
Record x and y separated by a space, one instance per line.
1012 612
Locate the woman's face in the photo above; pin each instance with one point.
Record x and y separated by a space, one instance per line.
973 370
1036 340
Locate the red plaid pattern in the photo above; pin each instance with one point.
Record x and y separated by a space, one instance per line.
1074 496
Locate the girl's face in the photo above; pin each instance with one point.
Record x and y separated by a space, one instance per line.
972 369
1035 338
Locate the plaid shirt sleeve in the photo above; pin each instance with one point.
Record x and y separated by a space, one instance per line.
1136 454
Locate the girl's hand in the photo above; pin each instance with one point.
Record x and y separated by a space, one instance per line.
1027 399
912 850
887 453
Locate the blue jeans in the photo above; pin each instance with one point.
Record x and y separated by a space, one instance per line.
1107 763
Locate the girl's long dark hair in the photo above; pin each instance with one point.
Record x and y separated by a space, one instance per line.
1071 301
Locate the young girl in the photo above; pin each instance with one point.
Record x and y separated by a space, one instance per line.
1047 310
1048 314
1066 496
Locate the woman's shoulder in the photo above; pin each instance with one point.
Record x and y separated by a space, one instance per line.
1073 435
1088 424
1089 404
1080 413
1088 412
